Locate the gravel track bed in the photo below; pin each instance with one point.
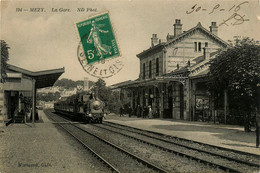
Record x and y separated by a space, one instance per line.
168 161
163 156
239 156
121 161
204 156
94 164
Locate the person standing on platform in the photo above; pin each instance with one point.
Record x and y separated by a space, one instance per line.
150 112
144 111
129 111
121 111
138 111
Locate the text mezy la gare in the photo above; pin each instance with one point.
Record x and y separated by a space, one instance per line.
42 10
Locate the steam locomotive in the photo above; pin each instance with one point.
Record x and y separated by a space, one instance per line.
83 107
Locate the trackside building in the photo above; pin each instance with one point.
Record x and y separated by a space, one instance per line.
18 92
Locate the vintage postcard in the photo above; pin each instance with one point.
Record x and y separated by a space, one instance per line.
130 86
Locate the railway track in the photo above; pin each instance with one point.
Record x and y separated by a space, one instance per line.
115 158
232 160
60 121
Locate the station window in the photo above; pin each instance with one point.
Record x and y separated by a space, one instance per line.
143 70
199 47
157 66
206 44
195 46
150 69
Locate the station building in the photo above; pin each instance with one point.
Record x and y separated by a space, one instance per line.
173 73
18 92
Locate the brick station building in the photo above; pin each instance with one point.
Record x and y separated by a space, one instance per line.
173 73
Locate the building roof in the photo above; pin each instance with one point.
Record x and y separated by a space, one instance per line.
43 79
201 58
118 85
201 74
198 27
159 46
178 71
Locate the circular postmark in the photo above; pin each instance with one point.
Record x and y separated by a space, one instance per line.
101 69
98 51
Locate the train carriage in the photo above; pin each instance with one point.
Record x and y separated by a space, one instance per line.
83 107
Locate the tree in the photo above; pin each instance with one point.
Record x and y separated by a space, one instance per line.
112 99
236 69
102 91
4 59
66 83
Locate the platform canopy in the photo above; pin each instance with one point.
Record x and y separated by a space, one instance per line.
43 79
149 82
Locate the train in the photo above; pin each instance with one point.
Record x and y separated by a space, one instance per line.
84 107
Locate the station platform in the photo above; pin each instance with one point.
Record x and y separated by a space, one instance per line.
42 148
227 136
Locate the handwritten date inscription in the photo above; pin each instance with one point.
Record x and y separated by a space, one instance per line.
234 19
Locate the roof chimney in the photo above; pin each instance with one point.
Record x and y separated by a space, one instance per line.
213 28
154 40
206 52
177 27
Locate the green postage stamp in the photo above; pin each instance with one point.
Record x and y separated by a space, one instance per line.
98 38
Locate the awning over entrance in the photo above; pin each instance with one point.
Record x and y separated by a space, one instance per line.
201 74
43 79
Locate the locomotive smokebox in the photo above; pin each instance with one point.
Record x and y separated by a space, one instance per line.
96 105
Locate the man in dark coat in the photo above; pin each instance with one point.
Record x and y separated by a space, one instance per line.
130 111
121 111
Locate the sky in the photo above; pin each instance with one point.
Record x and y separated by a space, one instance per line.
48 40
